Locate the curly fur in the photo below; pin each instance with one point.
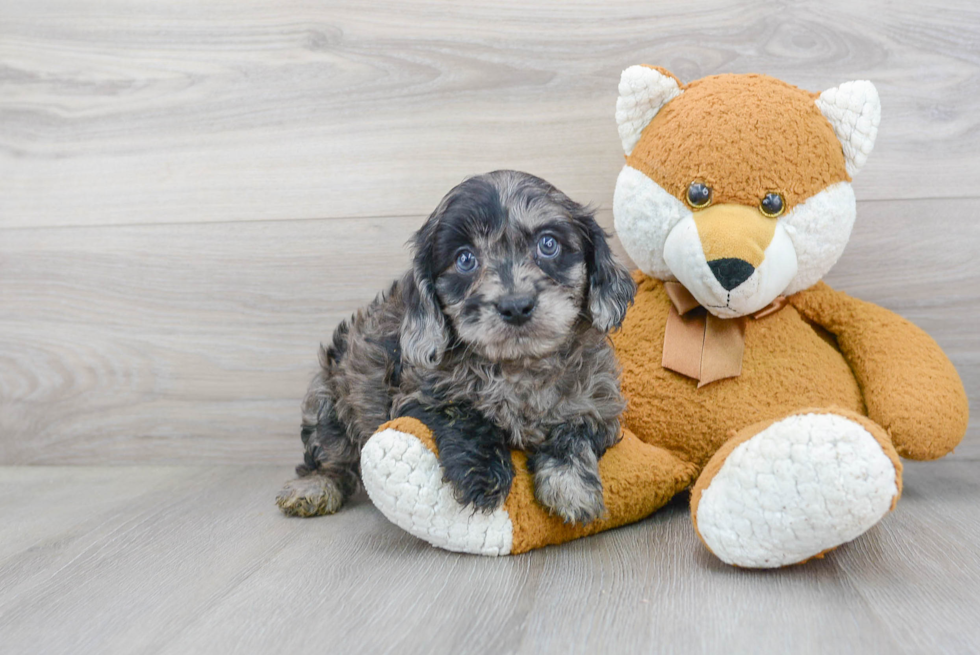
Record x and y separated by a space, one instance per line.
438 346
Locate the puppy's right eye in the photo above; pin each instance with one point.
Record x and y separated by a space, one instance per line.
466 261
698 195
548 246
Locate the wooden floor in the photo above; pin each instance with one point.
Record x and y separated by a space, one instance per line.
198 560
194 192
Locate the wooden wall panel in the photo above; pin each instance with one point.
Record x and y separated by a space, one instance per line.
119 111
182 342
192 194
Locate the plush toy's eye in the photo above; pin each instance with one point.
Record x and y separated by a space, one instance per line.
548 246
698 195
466 261
772 205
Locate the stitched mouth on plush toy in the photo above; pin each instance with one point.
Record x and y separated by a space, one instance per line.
727 305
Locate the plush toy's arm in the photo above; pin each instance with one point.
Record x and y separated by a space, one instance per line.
404 478
909 385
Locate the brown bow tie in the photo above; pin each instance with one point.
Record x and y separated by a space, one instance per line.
700 345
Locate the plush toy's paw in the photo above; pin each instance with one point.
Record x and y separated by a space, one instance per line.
313 495
573 495
404 479
795 489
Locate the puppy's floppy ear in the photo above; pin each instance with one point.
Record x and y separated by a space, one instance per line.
611 287
424 336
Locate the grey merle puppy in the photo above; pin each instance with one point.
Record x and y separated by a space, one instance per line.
495 339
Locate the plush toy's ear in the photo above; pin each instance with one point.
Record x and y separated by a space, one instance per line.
854 110
642 92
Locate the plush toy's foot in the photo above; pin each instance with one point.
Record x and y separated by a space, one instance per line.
401 472
786 491
403 477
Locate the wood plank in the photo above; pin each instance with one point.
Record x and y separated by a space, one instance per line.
644 588
119 112
924 569
172 343
122 577
195 342
205 563
44 504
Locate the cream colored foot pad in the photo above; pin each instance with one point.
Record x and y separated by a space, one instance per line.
798 488
404 480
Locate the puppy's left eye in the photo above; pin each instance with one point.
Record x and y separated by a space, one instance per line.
548 246
466 261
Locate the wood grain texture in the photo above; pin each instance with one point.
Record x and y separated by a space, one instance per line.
192 195
119 111
174 342
182 343
192 560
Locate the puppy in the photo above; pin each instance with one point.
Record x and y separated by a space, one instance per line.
496 339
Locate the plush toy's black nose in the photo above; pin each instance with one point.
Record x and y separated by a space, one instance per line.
516 310
731 272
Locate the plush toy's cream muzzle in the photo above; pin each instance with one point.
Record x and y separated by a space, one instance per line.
733 259
663 237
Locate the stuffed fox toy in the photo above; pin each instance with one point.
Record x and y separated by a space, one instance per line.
783 405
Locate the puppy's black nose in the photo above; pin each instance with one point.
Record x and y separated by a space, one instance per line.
516 310
731 272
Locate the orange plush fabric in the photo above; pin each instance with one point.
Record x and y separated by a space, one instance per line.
908 384
792 365
787 364
628 467
702 136
821 353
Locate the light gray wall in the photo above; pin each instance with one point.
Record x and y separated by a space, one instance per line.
193 194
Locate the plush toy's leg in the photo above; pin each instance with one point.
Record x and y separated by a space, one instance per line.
782 492
403 477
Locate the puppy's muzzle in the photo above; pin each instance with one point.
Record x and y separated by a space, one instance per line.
516 310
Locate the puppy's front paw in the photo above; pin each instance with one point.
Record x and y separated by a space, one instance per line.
485 490
473 454
483 483
313 495
572 494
